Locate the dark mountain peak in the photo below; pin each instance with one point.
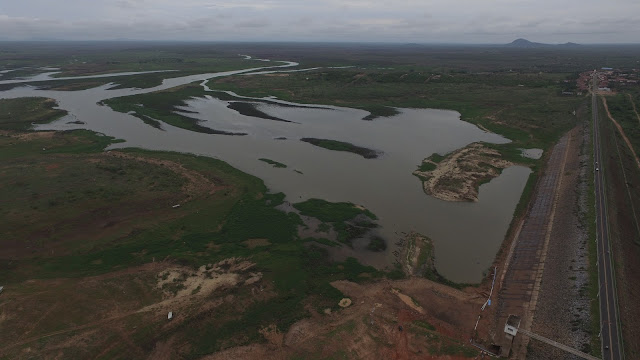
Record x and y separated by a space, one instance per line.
524 43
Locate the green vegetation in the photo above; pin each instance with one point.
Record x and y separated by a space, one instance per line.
324 227
342 146
22 113
427 166
376 243
621 108
349 221
274 163
162 105
329 212
80 59
424 324
323 241
436 158
149 121
249 109
376 111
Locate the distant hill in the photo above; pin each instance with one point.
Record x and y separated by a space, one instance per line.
524 43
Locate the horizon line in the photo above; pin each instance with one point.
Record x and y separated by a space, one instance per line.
311 42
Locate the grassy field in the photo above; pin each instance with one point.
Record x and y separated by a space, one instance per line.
621 107
22 113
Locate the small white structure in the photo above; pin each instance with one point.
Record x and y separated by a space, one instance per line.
1 287
176 206
512 325
510 330
170 315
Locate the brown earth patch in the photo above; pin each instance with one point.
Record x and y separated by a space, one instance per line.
254 243
378 325
32 135
50 167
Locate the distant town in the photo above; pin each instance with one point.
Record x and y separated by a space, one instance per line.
609 79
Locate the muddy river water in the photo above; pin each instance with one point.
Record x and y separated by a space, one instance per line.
466 235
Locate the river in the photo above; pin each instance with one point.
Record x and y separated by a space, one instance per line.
466 235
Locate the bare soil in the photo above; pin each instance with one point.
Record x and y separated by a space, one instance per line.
458 176
381 323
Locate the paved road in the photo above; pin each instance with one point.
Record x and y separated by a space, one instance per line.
611 348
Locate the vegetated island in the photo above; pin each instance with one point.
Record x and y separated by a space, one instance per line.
250 109
273 162
458 175
165 106
342 146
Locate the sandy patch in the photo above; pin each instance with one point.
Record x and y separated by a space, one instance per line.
180 284
458 176
408 301
346 302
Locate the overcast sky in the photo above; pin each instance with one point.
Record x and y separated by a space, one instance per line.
423 21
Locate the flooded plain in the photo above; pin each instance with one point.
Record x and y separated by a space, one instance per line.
466 235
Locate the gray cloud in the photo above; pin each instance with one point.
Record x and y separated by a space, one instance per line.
469 21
